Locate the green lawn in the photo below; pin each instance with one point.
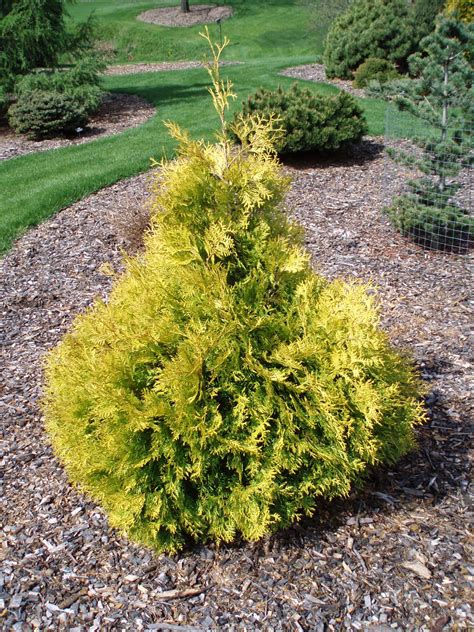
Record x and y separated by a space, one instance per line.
36 186
258 30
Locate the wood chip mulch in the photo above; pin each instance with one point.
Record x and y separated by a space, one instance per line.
317 73
162 66
117 113
197 14
396 555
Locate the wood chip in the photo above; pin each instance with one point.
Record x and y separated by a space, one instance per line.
418 568
178 594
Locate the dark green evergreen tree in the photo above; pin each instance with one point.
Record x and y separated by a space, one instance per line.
368 28
33 35
424 17
440 95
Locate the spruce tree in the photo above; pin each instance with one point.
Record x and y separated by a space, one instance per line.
440 96
224 388
33 35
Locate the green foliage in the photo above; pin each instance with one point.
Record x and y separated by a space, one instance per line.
41 114
4 102
440 95
81 81
424 17
309 122
57 101
374 69
32 34
224 387
369 28
439 227
5 7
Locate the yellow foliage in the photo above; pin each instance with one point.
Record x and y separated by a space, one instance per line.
462 9
224 387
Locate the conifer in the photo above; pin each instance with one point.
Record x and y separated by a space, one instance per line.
440 96
224 389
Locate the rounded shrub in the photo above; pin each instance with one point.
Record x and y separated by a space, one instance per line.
54 102
41 114
309 122
224 388
368 28
374 69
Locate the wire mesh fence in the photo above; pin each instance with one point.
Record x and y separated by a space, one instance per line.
428 180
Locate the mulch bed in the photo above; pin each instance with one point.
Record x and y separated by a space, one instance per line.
396 555
163 66
317 72
197 14
117 113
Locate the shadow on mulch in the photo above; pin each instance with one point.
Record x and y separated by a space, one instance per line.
353 154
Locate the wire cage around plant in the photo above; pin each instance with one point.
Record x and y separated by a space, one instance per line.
428 180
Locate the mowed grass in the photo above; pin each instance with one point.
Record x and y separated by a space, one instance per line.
35 186
258 30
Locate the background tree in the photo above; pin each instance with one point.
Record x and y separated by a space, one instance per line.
32 35
369 28
185 6
441 96
424 17
49 76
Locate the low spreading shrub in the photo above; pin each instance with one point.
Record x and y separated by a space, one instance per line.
369 28
374 69
225 389
448 227
41 114
58 101
309 122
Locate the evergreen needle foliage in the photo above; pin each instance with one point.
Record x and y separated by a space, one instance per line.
374 69
309 122
224 387
440 96
368 28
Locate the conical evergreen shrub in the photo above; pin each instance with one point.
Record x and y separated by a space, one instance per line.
225 389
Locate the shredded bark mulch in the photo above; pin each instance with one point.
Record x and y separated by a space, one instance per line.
197 14
117 113
317 73
396 555
164 66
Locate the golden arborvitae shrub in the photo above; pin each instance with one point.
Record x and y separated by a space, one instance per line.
224 388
